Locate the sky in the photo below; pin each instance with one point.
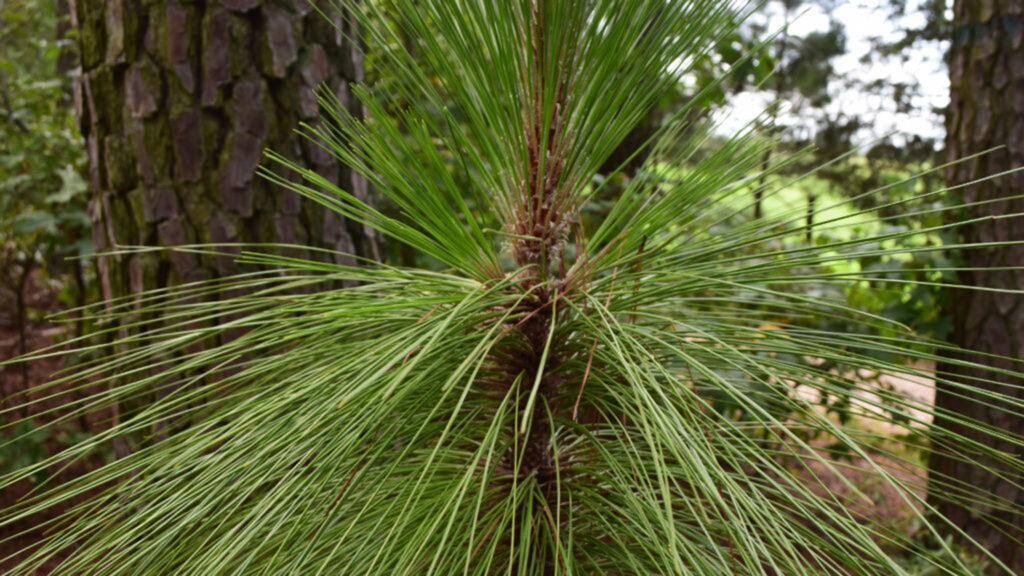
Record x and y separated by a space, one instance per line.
863 19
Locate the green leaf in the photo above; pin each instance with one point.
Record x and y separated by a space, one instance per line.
34 222
72 185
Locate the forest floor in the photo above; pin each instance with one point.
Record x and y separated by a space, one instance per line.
23 445
860 483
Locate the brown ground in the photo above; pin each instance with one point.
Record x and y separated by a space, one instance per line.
40 333
861 484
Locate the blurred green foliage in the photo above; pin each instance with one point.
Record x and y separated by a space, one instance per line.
43 196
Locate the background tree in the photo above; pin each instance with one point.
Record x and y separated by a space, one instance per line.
177 102
987 84
862 113
802 76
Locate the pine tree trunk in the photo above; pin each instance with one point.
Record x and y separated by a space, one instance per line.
986 110
177 101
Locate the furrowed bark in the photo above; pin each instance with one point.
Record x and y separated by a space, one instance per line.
986 111
177 101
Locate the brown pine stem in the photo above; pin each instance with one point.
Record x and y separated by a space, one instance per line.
539 229
537 452
541 222
539 218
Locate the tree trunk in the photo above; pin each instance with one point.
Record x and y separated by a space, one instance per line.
177 101
986 110
67 60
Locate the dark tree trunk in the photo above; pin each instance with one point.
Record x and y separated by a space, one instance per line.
68 58
986 110
630 155
177 101
812 199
